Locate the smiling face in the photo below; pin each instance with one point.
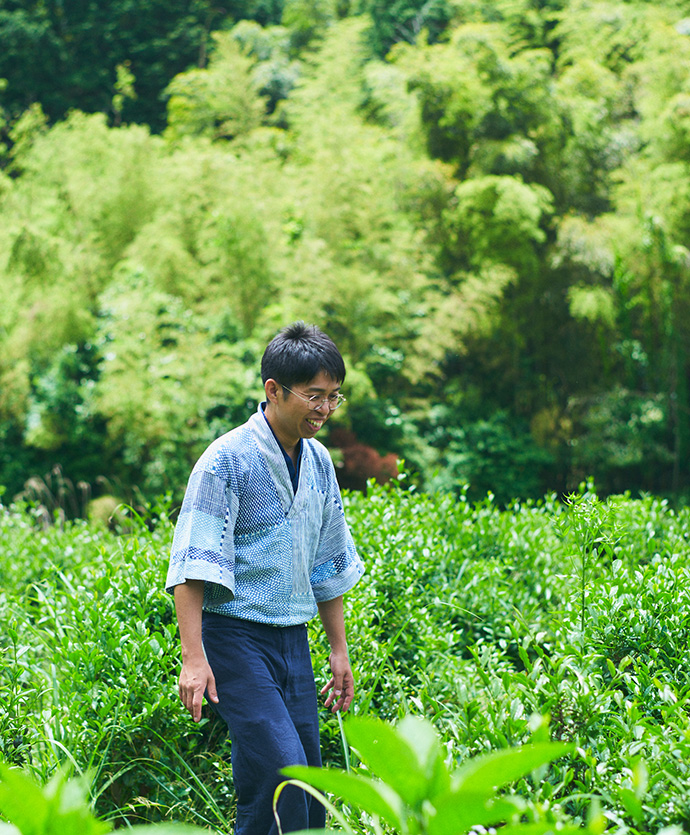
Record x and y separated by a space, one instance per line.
292 417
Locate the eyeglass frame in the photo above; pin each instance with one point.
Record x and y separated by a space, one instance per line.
339 399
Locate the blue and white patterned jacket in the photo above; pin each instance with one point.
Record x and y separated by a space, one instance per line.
267 554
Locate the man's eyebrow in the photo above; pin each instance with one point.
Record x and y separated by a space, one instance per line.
317 389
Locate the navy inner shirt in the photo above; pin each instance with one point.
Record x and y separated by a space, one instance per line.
292 470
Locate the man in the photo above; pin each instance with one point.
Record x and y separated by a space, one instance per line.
261 545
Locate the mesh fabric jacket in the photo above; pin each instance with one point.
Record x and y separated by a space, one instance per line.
265 552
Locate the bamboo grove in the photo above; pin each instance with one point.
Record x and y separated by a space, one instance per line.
485 204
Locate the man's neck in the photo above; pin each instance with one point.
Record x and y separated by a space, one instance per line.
290 445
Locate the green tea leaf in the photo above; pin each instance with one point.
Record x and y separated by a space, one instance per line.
60 807
484 774
632 803
424 740
390 756
22 801
460 811
421 736
372 796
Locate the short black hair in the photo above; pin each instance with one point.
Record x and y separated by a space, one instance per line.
298 353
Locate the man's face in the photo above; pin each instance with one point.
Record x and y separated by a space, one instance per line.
292 417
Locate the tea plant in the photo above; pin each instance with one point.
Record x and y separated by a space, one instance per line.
89 649
417 794
470 616
592 527
59 808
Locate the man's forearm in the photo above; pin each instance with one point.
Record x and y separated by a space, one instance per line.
333 620
189 598
196 677
341 687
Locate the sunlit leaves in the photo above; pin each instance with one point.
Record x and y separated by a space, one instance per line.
498 220
413 789
595 304
59 808
516 188
466 615
481 107
219 102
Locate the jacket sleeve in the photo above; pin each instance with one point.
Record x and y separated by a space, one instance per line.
203 545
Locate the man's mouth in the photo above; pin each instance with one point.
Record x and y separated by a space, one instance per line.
316 424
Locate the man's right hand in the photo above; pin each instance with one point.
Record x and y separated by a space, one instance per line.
196 677
195 680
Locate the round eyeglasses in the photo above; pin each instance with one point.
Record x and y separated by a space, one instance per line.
316 401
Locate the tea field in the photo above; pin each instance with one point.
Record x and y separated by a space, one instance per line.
566 620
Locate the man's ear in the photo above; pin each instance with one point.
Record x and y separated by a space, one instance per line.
271 388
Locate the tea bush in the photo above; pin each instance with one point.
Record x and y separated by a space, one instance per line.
571 616
90 651
414 791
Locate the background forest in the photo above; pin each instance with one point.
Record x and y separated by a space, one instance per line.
486 204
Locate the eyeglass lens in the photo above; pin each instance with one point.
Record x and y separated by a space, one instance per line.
334 401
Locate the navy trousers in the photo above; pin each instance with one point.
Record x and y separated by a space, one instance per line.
267 697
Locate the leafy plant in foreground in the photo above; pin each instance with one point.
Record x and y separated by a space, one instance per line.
415 792
59 808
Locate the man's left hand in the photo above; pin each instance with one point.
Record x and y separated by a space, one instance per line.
341 685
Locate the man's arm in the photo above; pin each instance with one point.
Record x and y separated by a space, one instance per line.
342 683
196 676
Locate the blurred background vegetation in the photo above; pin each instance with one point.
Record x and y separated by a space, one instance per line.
486 204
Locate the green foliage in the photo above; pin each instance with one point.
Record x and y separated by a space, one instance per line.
415 792
60 808
482 108
506 192
493 224
307 21
93 661
482 621
497 220
621 433
495 456
124 89
221 101
70 54
593 530
404 20
476 616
